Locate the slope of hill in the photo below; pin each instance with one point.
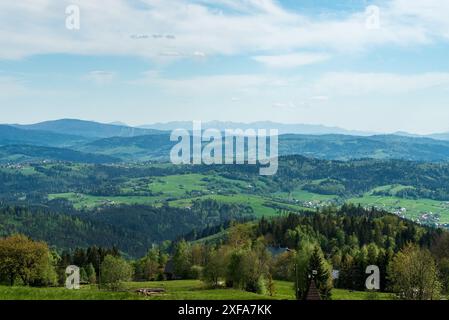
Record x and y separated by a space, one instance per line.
13 135
27 153
440 136
132 229
341 147
133 148
87 128
332 147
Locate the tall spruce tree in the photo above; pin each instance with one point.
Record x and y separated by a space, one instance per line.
320 272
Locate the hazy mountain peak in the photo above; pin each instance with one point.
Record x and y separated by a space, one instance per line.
283 128
86 128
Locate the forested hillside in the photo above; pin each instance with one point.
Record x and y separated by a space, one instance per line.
132 229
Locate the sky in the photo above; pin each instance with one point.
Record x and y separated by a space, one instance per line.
377 66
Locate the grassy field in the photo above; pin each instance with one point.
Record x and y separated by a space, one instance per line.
261 206
414 208
162 188
304 195
85 201
175 290
180 191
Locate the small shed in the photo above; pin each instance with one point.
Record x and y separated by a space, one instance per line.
313 293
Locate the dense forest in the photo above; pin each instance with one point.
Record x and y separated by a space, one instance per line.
132 229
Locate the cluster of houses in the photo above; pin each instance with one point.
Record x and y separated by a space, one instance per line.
311 204
429 218
425 218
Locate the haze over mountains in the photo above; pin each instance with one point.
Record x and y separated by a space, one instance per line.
87 141
281 127
87 129
92 129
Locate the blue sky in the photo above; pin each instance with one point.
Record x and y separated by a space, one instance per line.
365 65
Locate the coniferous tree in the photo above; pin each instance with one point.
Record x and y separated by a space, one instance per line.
319 271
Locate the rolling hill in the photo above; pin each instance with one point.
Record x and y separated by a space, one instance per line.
133 148
137 144
331 147
87 129
12 135
27 153
343 147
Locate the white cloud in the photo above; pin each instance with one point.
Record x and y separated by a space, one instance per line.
291 60
284 105
30 27
320 98
199 54
431 15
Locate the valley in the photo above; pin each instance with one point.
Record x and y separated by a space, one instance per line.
355 199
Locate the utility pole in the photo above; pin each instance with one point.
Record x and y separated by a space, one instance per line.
296 279
99 272
296 273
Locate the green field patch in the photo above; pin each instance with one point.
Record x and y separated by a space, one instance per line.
261 206
179 190
303 195
21 169
391 189
83 201
178 185
415 209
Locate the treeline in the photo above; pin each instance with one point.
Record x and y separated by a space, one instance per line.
89 261
132 229
348 178
32 263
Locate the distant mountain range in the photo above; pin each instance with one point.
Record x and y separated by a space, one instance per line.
87 141
88 129
91 129
281 127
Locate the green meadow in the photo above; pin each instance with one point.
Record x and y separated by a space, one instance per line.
181 190
174 290
414 207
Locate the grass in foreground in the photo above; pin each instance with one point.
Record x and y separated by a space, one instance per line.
175 290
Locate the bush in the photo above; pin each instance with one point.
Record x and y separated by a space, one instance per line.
114 271
414 275
215 268
196 272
